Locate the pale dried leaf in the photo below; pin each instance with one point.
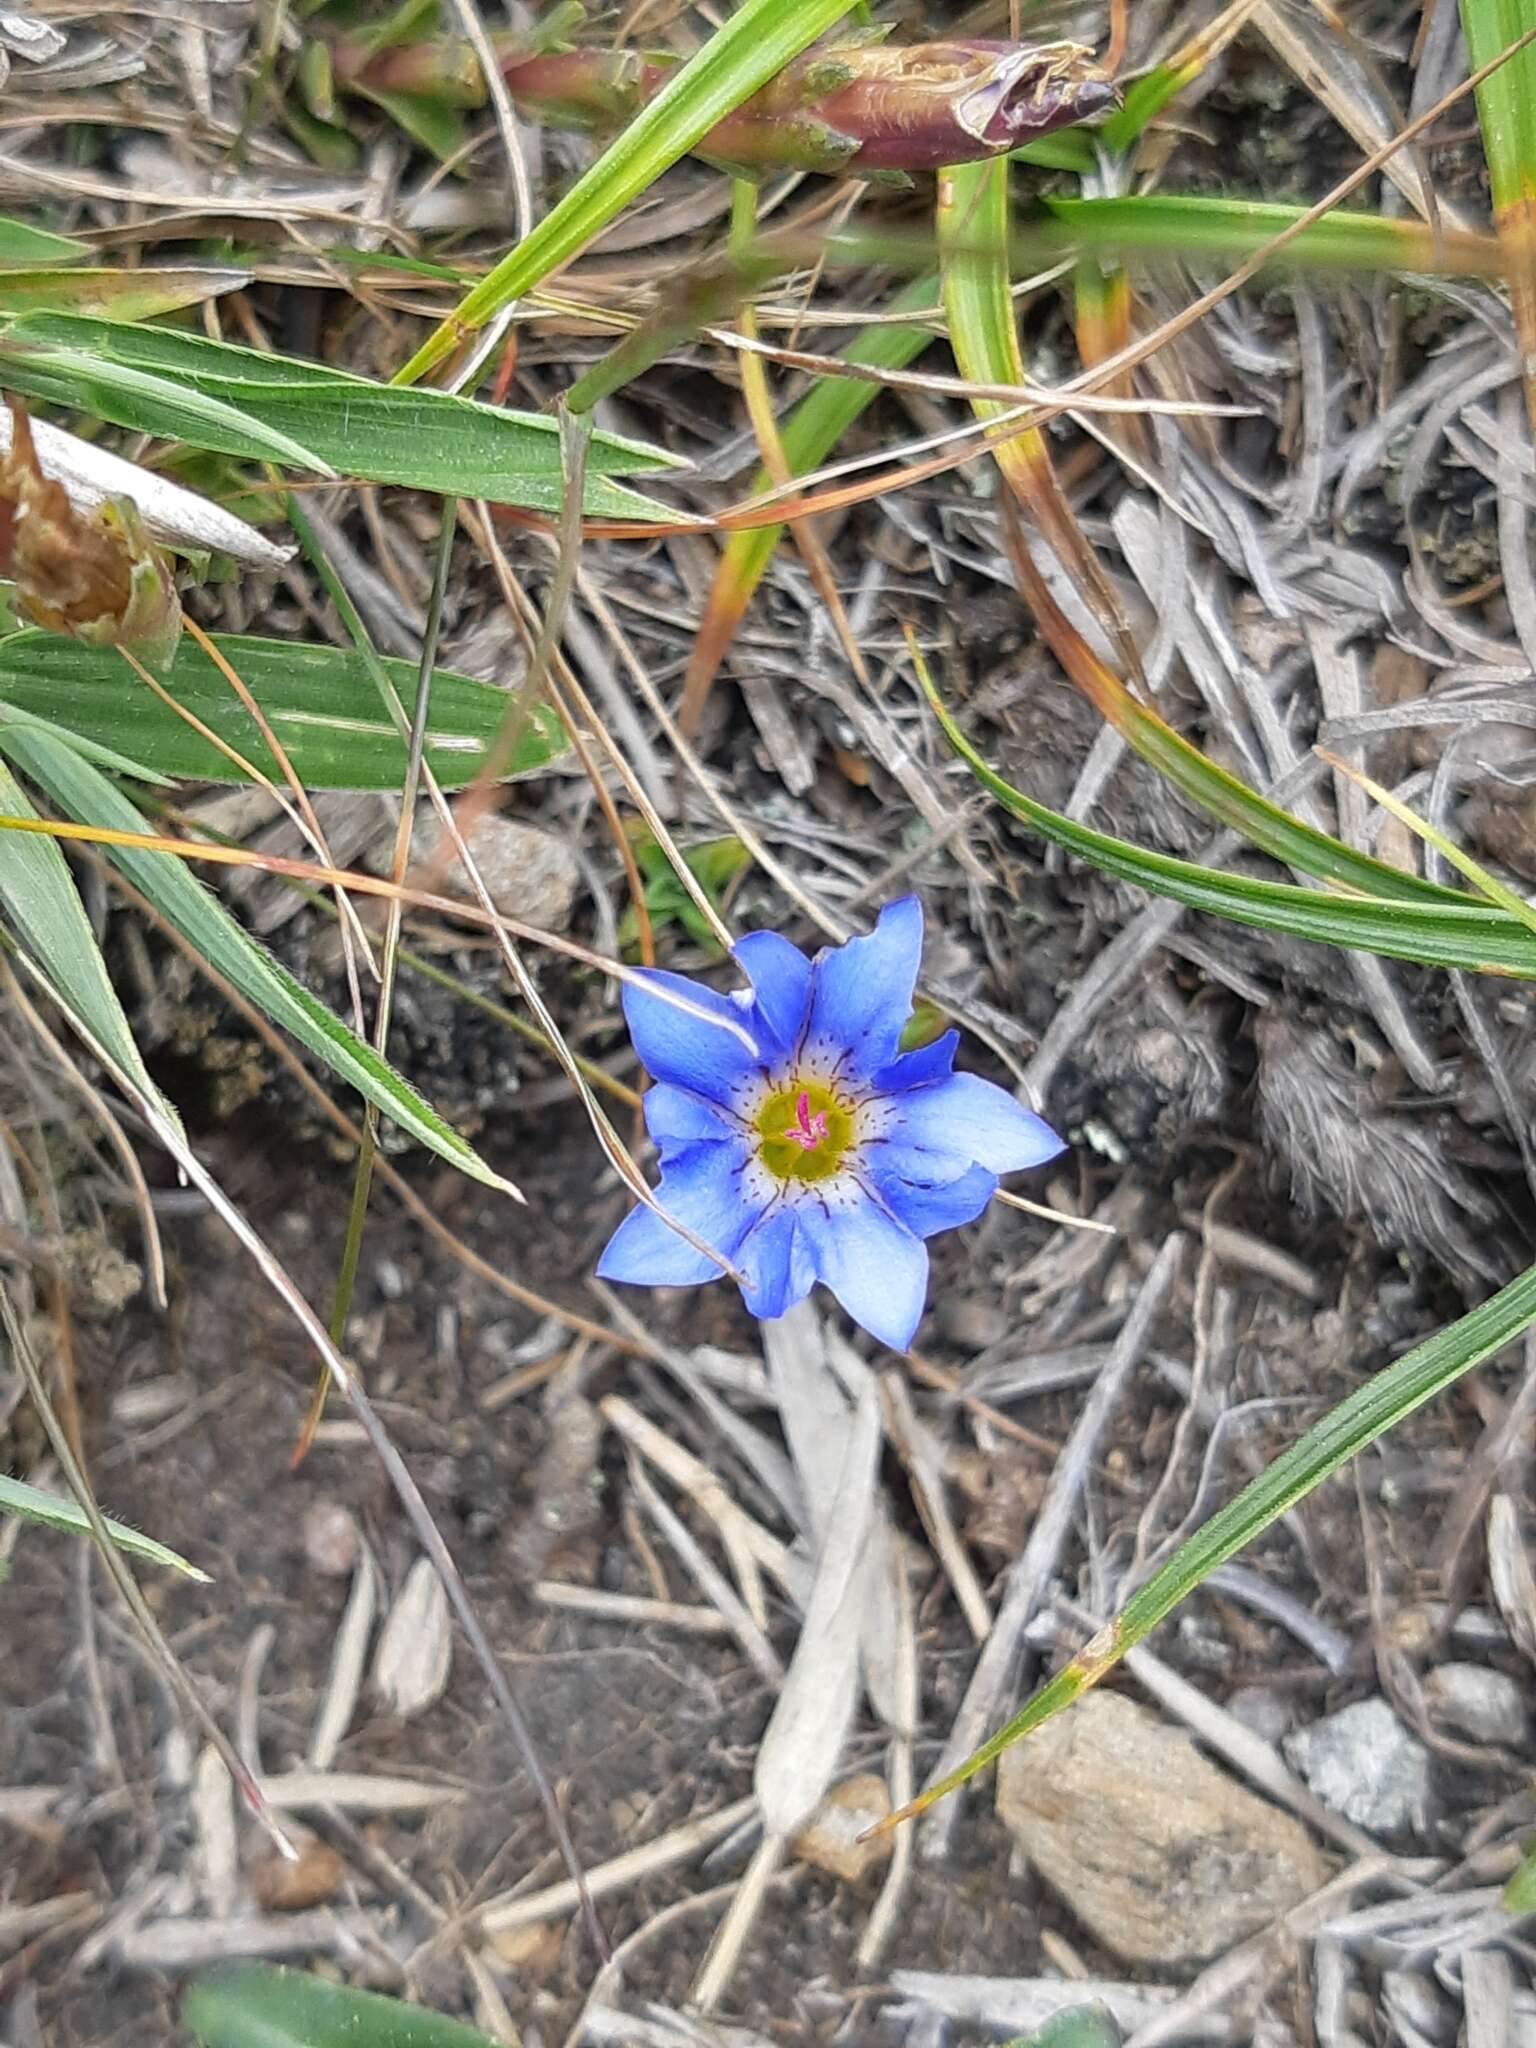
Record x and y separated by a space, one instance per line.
813 1410
815 1372
218 1843
410 1667
1011 2005
180 518
346 1675
28 37
804 1738
352 1792
1509 1568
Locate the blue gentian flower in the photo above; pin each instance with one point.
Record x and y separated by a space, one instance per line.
825 1154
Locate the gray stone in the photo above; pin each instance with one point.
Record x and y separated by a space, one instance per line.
529 873
1163 1857
1490 1706
1364 1764
1260 1707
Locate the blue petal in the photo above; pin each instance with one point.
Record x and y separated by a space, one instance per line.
863 990
917 1069
777 1262
874 1265
675 1046
780 976
966 1114
676 1117
700 1187
926 1203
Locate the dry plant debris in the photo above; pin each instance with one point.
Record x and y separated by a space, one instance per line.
749 1578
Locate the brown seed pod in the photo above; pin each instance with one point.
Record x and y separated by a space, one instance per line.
93 575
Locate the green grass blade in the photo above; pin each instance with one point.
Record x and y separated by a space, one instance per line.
1231 802
104 757
1227 231
1148 227
145 402
1520 1892
320 701
820 420
1080 2026
1483 880
239 401
255 2006
973 222
20 242
1227 799
1458 933
756 42
123 294
39 900
85 795
1506 101
32 1504
1383 1402
1070 150
1506 112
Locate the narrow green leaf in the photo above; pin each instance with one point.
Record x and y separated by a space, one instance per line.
440 129
1506 101
973 226
1080 2026
144 401
820 420
237 400
1231 802
104 757
40 901
1520 1892
1459 933
1070 149
1197 229
326 143
320 701
1383 1402
1506 112
974 220
1483 880
124 294
1144 100
88 797
20 242
757 41
53 1511
1388 1398
1152 226
255 2006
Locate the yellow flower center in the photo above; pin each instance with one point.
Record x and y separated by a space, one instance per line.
805 1132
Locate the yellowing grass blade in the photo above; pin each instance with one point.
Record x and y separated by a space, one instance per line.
1506 110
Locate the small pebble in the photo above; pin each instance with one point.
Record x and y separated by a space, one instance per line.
330 1538
971 1324
531 1953
1364 1764
1261 1708
283 1887
830 1839
1490 1706
415 1652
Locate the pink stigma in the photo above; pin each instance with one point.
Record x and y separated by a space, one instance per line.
808 1131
